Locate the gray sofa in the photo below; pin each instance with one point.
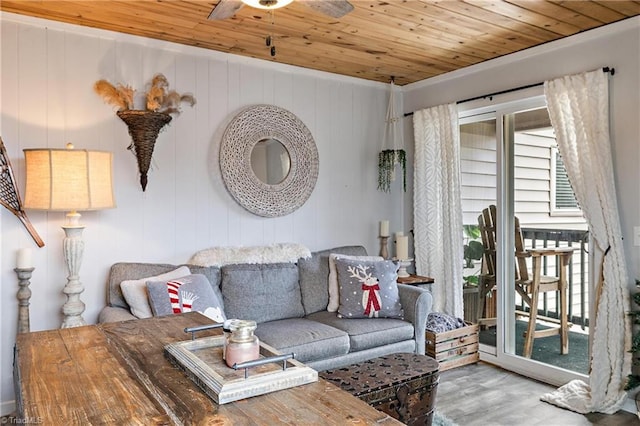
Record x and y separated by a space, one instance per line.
290 308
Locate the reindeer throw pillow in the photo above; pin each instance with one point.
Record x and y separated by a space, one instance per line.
185 294
334 294
368 289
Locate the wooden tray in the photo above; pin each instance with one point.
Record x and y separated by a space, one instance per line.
201 359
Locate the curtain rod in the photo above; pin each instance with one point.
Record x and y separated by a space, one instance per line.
611 71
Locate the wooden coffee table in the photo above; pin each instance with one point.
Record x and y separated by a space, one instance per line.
117 373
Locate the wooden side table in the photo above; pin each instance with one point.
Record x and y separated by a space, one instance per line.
415 280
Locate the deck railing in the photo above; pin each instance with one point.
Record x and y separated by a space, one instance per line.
577 276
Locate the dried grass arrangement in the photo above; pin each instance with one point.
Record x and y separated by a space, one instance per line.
158 96
119 96
144 124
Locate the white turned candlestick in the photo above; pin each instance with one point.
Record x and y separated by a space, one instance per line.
402 270
23 295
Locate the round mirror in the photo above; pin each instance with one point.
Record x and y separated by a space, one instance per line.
270 161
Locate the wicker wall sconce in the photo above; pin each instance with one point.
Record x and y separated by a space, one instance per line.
144 127
144 124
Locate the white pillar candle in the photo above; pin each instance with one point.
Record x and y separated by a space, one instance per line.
402 247
395 241
384 228
24 260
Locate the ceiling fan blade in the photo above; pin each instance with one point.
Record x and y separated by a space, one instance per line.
225 9
333 8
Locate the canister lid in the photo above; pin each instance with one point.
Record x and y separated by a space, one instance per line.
230 324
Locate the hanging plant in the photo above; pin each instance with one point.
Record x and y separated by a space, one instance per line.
144 124
392 153
388 159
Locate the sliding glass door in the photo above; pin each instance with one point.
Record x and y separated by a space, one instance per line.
509 160
479 173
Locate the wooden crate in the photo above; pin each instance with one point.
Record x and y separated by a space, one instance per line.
454 348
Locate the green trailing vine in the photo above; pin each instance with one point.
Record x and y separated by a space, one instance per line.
387 161
633 380
473 250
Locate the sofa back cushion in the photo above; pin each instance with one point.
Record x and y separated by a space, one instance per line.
123 271
261 292
136 295
214 276
191 293
314 277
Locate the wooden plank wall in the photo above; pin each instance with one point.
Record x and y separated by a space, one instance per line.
48 100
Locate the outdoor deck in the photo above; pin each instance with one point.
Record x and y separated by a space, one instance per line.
547 349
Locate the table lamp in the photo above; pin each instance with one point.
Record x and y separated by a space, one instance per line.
69 180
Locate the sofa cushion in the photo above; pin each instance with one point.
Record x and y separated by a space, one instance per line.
334 293
365 333
261 292
135 291
122 271
213 275
185 294
368 289
309 340
314 277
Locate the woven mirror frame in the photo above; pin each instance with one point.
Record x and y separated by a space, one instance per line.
264 122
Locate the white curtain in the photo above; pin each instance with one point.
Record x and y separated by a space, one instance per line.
579 110
437 217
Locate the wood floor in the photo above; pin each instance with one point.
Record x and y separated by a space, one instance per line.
484 395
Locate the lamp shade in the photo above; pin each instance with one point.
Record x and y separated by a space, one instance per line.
68 179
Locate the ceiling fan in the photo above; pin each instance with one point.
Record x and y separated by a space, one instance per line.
333 8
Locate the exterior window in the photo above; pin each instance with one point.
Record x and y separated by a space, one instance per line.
563 200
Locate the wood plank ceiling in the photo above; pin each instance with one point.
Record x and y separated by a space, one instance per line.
409 39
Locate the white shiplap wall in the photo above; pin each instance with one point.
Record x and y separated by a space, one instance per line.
48 71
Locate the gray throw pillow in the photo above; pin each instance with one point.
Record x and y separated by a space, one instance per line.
368 289
185 294
334 294
135 291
